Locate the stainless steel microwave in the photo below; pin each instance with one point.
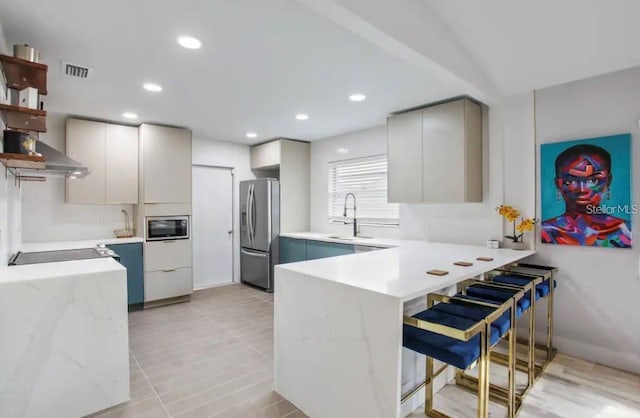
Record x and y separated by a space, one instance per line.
163 228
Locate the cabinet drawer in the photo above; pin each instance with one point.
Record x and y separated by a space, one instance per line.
163 255
167 284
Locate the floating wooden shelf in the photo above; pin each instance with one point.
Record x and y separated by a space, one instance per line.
22 161
23 118
21 74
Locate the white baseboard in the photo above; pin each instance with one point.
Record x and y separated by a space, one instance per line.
214 285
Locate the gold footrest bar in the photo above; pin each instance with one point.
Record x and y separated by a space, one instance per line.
496 393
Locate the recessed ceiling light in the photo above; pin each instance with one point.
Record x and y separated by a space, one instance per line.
152 87
189 42
302 116
129 115
357 97
252 135
342 150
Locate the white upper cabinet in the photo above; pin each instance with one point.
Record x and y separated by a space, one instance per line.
435 154
167 164
86 144
404 156
122 164
292 159
265 156
111 153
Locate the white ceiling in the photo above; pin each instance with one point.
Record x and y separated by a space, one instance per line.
525 45
261 63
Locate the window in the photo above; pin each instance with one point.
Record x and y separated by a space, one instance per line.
366 178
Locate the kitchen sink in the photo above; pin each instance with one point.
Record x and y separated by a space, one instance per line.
347 237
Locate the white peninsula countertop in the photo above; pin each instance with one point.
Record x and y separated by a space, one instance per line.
338 322
400 269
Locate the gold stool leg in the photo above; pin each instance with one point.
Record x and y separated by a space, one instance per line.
511 407
428 389
483 374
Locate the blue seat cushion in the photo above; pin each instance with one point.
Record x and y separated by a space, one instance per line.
446 349
542 289
499 295
476 313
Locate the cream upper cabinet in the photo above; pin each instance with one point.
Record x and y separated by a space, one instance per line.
265 156
166 164
111 153
443 162
122 164
86 143
404 156
292 159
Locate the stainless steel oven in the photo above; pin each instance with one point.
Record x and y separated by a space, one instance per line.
163 228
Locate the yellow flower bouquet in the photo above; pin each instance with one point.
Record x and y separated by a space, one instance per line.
511 214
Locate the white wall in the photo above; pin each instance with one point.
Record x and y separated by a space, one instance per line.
471 223
45 215
597 314
238 157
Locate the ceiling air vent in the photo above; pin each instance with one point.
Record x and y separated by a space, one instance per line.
76 71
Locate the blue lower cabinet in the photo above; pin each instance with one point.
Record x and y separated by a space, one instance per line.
320 249
292 250
131 258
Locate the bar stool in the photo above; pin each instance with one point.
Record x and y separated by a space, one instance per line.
543 276
461 334
524 299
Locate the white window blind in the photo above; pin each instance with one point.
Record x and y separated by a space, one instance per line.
366 178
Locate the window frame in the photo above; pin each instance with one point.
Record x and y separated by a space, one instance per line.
367 221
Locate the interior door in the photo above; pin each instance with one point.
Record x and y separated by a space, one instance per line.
212 226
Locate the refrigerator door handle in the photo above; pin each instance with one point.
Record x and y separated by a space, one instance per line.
255 253
249 214
252 194
253 213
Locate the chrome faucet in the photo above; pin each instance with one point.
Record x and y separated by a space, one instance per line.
355 221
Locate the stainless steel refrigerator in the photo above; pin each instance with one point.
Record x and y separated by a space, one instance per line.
259 230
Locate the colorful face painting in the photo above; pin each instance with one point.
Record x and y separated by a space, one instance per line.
586 192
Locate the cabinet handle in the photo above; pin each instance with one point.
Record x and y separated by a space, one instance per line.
168 270
169 241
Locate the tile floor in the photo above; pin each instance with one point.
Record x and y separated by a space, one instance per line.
213 357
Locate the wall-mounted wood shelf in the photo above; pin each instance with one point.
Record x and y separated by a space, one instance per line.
21 74
15 163
22 161
23 118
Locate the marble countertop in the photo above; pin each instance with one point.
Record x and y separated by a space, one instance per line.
72 245
400 271
11 274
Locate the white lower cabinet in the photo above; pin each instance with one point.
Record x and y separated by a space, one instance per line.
169 283
162 255
168 272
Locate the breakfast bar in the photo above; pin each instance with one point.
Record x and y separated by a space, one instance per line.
339 322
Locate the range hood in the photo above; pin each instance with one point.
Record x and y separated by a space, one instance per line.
58 164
